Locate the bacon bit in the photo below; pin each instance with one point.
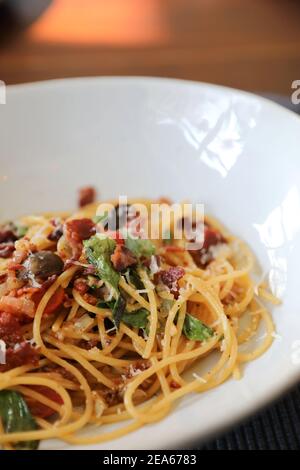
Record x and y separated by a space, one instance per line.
14 266
174 384
203 256
7 236
212 237
48 283
170 279
10 328
76 231
122 258
39 409
112 397
17 306
117 236
54 303
87 195
80 285
80 229
6 249
145 261
90 299
26 290
92 343
22 353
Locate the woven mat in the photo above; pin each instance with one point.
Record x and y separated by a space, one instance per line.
277 427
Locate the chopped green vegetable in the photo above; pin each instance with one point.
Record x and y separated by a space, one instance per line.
106 304
140 246
98 251
195 330
136 319
101 218
16 417
118 310
135 279
20 230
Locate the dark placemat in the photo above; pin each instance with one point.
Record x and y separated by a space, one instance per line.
277 427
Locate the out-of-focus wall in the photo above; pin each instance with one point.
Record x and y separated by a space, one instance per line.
249 44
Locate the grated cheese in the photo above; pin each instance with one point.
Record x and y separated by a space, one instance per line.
2 352
154 268
198 377
84 322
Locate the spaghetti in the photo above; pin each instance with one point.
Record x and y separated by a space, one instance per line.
100 327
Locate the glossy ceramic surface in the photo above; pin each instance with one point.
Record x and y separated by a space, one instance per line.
235 152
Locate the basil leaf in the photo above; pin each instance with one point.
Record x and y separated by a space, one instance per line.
98 251
118 310
21 231
104 304
195 330
16 417
140 246
101 218
137 319
135 279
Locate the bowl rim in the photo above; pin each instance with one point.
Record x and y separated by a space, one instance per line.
251 408
54 82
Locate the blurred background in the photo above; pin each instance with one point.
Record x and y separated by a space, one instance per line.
248 44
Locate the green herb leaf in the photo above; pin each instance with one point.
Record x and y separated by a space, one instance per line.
104 304
195 330
118 310
101 218
20 230
16 417
136 319
140 246
135 279
98 251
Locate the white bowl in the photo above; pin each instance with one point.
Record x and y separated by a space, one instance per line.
236 152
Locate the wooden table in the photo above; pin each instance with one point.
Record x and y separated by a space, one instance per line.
248 44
